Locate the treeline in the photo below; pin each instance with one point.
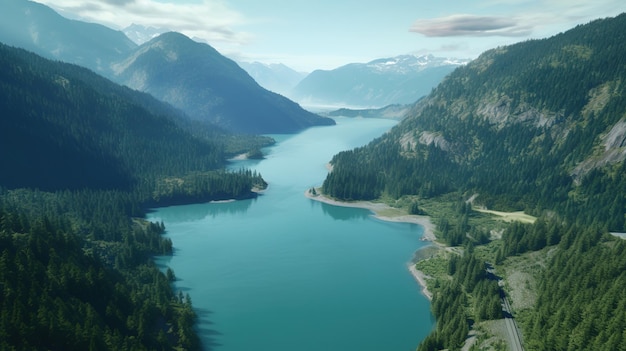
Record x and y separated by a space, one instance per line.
58 294
487 129
368 172
581 297
468 294
82 159
525 127
64 127
454 311
206 186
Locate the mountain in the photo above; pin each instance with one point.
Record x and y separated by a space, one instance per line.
395 111
38 28
537 115
81 157
210 87
200 81
140 34
275 77
397 80
538 126
65 127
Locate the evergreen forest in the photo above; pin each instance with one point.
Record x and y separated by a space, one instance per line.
536 127
82 160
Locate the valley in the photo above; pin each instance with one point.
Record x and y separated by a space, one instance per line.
278 266
157 193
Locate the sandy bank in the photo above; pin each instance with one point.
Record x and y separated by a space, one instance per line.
377 208
421 279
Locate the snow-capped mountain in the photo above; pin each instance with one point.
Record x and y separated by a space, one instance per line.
396 80
410 63
141 34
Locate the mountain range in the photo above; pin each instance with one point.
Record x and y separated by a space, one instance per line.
140 34
396 80
539 127
210 87
276 77
189 75
551 110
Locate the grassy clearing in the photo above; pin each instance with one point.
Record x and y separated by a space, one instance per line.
436 266
518 216
392 212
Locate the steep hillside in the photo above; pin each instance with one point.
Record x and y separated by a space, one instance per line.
522 124
382 82
537 126
80 156
196 79
38 28
63 126
210 87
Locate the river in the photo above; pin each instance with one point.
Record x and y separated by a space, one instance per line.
284 272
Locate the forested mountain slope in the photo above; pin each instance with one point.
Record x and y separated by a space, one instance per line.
538 126
65 127
526 126
81 159
38 28
210 87
192 76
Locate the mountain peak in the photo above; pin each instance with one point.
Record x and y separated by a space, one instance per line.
401 79
140 34
406 63
38 28
197 79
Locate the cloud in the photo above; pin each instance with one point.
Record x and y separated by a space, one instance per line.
211 20
119 2
470 25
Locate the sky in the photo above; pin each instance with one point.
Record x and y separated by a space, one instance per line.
326 34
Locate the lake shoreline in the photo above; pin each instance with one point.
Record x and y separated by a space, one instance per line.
376 208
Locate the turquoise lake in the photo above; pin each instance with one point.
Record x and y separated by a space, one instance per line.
284 272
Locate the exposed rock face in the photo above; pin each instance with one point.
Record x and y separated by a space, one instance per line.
612 150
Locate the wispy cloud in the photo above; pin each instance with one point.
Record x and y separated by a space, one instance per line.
515 18
471 25
211 20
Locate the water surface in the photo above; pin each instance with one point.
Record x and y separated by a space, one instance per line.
283 272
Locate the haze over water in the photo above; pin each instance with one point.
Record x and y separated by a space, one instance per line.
283 272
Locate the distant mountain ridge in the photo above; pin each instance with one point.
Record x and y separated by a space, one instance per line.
405 64
210 87
38 28
191 76
538 126
140 34
396 80
396 111
276 77
544 114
